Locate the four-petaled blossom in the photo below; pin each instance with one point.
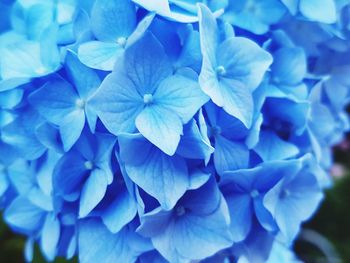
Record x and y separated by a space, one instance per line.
143 92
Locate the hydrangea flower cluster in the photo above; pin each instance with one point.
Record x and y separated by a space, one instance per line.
169 130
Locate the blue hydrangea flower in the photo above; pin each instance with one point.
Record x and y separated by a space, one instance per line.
169 130
68 106
231 70
114 32
87 163
143 93
195 228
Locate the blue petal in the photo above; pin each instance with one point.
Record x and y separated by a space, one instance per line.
69 173
49 52
29 250
54 100
193 144
71 127
93 191
241 214
271 147
244 61
23 140
203 200
154 171
140 29
85 80
209 37
181 95
229 155
146 69
160 126
289 66
23 216
155 222
50 236
298 194
9 99
120 212
198 237
110 247
99 55
325 13
117 103
111 19
23 60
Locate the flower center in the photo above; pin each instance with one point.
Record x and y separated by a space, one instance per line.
121 41
221 71
148 98
180 210
254 193
88 165
79 103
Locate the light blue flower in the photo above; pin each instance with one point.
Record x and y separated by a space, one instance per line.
196 228
68 106
143 93
298 193
87 164
114 32
244 191
231 70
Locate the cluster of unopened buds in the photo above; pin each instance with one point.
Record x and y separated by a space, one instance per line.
169 130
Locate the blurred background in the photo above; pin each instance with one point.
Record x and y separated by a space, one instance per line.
325 238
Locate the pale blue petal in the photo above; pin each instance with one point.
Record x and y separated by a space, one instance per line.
18 62
244 61
49 52
193 144
120 212
71 127
289 66
111 19
54 100
23 216
209 37
93 191
155 222
271 147
140 29
198 237
161 126
154 171
146 69
324 13
85 80
230 155
69 174
99 55
110 247
181 95
241 214
50 235
117 103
